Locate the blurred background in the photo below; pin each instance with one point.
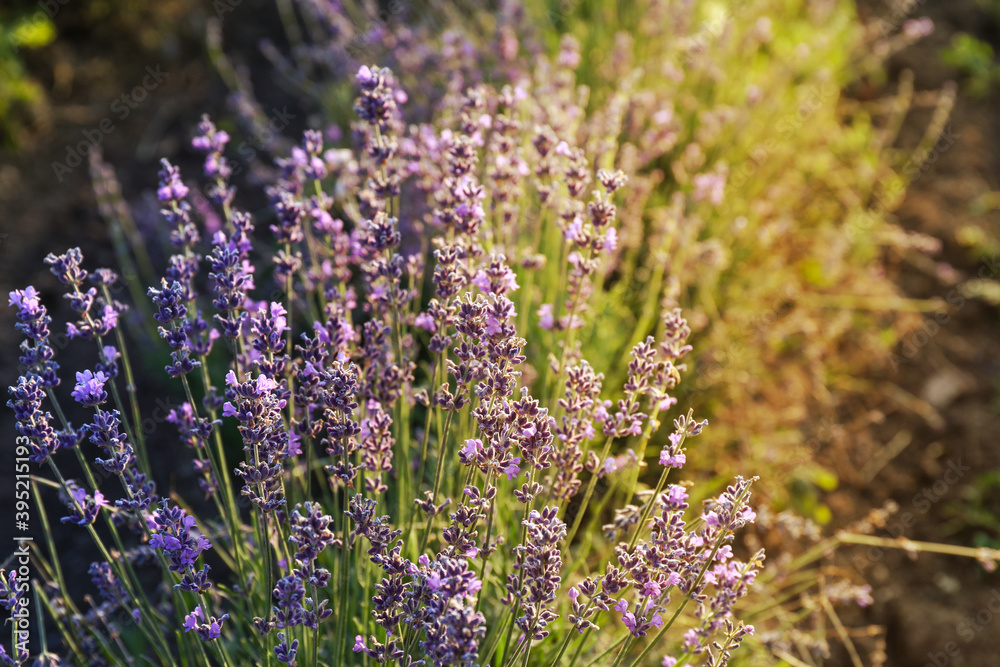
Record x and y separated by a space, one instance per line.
847 353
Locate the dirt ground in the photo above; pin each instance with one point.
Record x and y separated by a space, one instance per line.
938 610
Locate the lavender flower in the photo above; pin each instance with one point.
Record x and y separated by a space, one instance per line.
289 594
109 363
108 585
339 398
269 325
172 194
171 310
256 406
284 651
104 432
212 142
376 443
534 587
442 606
289 211
66 268
377 107
497 277
311 534
208 629
10 592
89 390
385 544
33 321
232 275
581 407
13 599
32 420
84 508
176 535
356 387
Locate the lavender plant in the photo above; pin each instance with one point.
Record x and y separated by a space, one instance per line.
758 197
425 451
759 188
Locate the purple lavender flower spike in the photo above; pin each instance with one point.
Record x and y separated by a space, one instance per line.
172 311
104 432
212 142
497 277
340 401
172 194
84 508
532 590
10 592
110 366
32 420
290 213
376 443
232 275
89 390
672 456
289 594
207 629
102 576
66 267
312 143
194 432
442 606
169 302
269 325
284 651
33 321
175 533
311 534
256 406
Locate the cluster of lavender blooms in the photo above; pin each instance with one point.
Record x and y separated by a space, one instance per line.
425 454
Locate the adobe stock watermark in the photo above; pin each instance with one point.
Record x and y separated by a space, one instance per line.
223 7
20 616
967 631
921 503
562 11
52 7
249 147
901 12
47 10
121 107
817 97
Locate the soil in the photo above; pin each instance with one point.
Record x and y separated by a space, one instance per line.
936 609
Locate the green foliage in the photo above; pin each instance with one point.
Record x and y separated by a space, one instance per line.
780 277
20 96
973 58
979 511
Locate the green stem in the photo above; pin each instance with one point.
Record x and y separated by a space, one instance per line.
589 492
130 388
443 449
